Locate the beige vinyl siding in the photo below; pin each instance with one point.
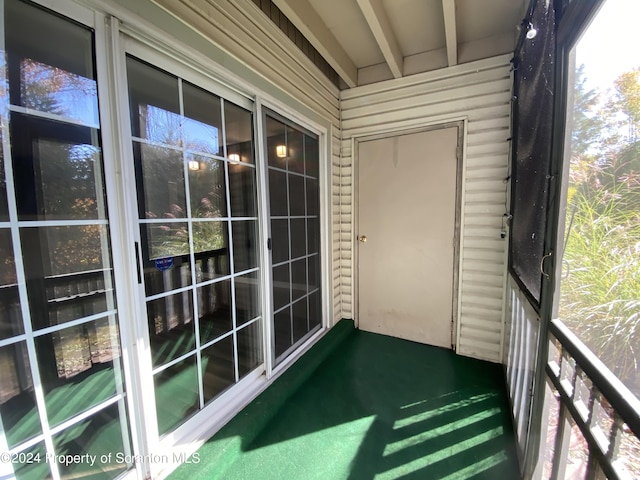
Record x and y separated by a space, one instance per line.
480 93
247 36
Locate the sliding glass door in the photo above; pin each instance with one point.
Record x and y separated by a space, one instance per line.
61 376
294 218
195 172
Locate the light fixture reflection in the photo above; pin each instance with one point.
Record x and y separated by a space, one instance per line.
531 32
281 151
234 157
194 165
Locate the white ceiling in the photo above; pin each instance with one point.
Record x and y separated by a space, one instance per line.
368 41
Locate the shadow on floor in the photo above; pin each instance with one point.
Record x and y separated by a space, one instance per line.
385 408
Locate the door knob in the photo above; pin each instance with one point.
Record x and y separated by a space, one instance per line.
362 238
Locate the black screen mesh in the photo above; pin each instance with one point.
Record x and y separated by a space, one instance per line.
533 123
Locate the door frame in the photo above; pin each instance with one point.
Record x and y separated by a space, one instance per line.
461 124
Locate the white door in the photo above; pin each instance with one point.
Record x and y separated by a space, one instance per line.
406 232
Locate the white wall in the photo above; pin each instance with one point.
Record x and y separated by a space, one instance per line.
480 92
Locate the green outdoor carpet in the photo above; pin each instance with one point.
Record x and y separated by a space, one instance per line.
377 407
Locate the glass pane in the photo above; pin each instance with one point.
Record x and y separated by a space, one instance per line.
171 330
100 435
207 187
282 331
281 286
202 126
278 193
300 322
245 254
214 263
249 348
242 190
154 103
238 122
578 455
4 208
276 143
214 307
314 272
247 297
176 391
313 235
298 238
160 175
315 310
312 156
10 313
298 279
56 77
296 196
78 367
166 273
68 272
313 201
295 150
164 240
218 371
18 409
279 241
38 469
57 169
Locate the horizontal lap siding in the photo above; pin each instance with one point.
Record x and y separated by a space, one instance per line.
242 30
480 93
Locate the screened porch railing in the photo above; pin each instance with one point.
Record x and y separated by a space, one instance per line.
592 399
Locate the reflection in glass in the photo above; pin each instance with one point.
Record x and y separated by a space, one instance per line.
276 136
55 77
296 196
214 307
247 297
207 187
300 323
279 241
176 390
160 175
298 279
278 193
245 253
169 273
210 237
298 238
203 120
35 470
313 235
239 132
242 190
218 371
171 330
54 90
99 435
77 367
315 310
68 272
295 150
311 156
154 103
281 286
165 240
282 331
249 348
313 200
212 264
57 169
10 313
18 409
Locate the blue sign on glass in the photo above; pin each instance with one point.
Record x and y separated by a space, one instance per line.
163 264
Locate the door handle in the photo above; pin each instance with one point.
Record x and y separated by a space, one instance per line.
362 238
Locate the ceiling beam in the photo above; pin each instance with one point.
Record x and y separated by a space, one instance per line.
310 24
380 26
449 10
